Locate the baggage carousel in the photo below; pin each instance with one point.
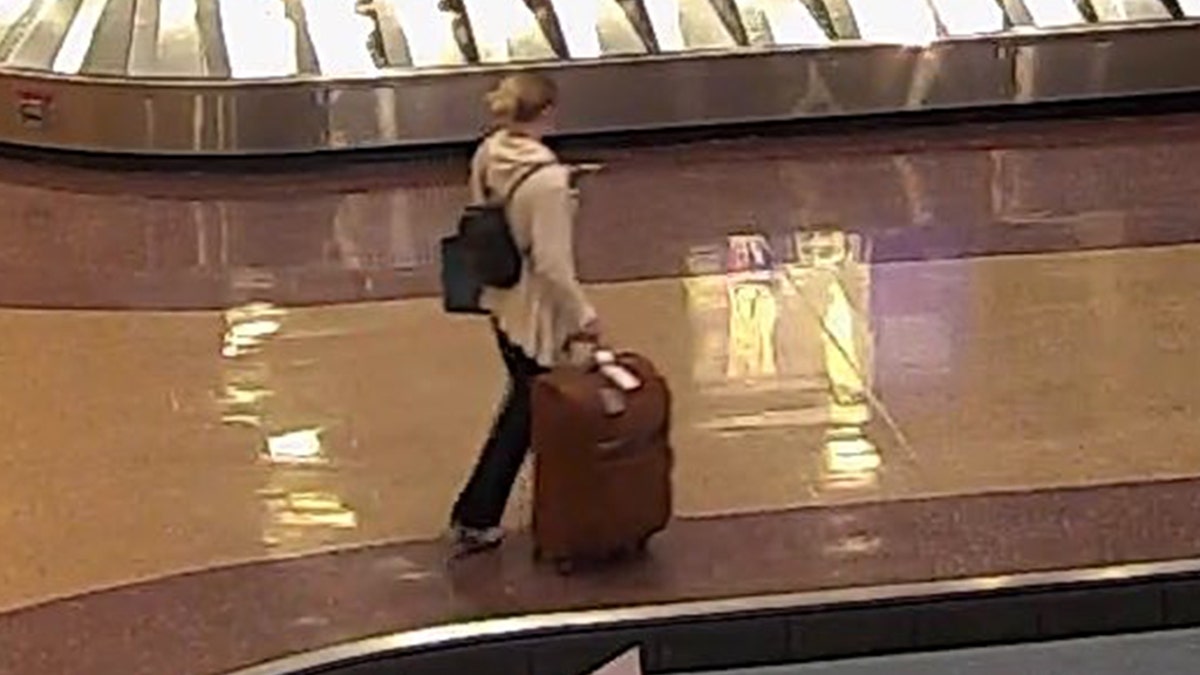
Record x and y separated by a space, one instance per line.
244 77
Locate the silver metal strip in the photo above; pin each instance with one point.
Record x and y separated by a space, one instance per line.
113 40
40 45
212 37
307 61
143 47
449 635
179 48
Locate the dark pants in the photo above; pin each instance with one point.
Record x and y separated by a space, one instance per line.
481 502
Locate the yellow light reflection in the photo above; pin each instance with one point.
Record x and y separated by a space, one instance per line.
259 37
780 22
429 32
297 520
505 30
69 58
247 327
1054 13
340 37
904 22
970 17
296 447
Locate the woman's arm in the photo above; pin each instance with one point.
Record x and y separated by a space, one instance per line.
553 252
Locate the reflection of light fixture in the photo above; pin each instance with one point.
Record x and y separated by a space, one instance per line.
1191 8
248 326
295 447
429 32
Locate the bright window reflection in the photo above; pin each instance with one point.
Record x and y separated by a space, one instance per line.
970 17
79 38
1052 13
505 30
340 37
780 22
906 22
429 32
1190 7
261 40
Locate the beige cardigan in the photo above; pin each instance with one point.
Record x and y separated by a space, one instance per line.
548 305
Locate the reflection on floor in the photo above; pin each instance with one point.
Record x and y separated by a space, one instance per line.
804 377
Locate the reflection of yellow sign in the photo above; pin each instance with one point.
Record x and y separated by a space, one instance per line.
753 312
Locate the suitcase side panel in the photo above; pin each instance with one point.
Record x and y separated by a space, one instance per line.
602 484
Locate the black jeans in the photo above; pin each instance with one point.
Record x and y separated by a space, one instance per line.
481 502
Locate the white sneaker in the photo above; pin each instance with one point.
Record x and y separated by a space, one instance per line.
470 540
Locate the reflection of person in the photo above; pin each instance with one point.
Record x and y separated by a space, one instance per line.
753 314
545 312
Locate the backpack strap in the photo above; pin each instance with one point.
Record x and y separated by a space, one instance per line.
521 178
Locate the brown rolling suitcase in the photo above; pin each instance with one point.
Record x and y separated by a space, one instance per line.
602 463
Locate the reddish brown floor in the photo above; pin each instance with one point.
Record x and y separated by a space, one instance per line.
217 620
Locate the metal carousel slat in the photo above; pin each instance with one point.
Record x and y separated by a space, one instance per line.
212 35
108 55
259 38
772 23
341 37
970 17
507 31
431 33
80 37
598 28
43 35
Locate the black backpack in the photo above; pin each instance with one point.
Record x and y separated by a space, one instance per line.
483 253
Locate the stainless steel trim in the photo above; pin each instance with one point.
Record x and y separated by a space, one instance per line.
440 105
511 628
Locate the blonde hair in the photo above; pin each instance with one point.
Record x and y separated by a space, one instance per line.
521 98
